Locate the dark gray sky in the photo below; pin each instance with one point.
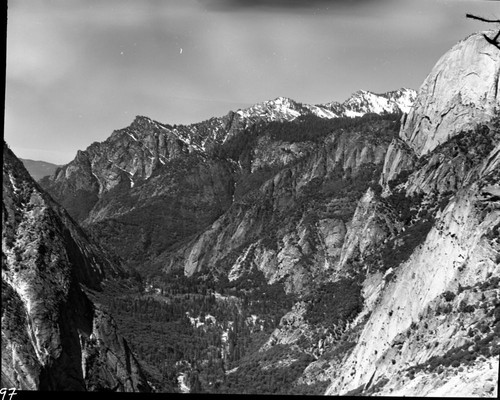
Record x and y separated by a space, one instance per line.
79 69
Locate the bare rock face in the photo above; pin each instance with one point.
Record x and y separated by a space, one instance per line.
458 252
52 333
461 92
399 157
427 309
369 227
293 225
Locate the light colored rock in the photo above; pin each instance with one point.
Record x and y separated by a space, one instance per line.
456 239
399 157
460 92
333 232
479 380
369 226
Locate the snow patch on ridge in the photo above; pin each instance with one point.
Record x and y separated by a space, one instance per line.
359 104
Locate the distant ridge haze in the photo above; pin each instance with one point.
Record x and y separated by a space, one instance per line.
38 169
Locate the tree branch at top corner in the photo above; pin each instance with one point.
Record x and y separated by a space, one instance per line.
493 41
482 19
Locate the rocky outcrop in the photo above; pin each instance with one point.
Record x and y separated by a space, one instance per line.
370 227
457 252
127 157
292 225
434 308
53 336
399 158
461 92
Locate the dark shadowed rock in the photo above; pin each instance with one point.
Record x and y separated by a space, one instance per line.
53 336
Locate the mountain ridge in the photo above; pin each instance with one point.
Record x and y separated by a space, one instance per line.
139 158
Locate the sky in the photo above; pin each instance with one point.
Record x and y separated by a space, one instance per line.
79 69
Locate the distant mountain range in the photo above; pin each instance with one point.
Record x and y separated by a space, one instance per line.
280 109
39 169
360 103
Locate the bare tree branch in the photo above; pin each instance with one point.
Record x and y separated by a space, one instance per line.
495 42
482 19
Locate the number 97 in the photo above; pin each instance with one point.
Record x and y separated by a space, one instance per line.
3 392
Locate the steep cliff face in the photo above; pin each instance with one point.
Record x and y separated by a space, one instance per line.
53 336
369 229
460 92
459 255
131 155
433 319
292 225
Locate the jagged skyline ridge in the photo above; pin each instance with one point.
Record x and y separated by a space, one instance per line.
77 70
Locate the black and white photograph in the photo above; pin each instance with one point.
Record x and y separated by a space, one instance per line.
251 197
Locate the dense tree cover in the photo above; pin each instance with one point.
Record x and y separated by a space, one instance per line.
334 302
417 222
346 187
474 144
239 147
229 320
315 129
162 334
270 372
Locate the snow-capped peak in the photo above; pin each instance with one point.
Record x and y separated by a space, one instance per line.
362 102
403 98
279 109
